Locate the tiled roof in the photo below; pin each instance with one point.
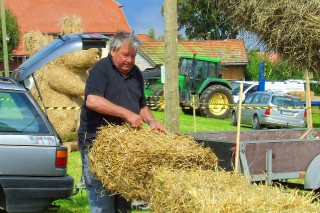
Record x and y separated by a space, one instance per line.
273 57
231 51
98 16
143 37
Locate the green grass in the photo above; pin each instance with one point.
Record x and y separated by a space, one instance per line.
79 202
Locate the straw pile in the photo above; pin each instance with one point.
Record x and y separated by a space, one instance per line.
123 158
291 28
35 40
62 81
210 191
301 94
71 25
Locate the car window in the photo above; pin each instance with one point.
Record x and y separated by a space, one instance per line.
297 102
249 99
286 101
264 99
256 99
17 114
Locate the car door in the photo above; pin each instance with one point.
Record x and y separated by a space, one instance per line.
246 109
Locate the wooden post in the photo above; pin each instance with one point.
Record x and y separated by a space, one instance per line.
4 39
236 166
171 91
308 102
194 113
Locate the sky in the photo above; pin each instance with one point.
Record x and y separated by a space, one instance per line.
142 15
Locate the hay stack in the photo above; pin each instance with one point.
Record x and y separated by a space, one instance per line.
291 28
123 158
35 40
301 94
71 25
210 191
62 81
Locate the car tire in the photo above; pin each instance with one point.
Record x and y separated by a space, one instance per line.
233 119
256 123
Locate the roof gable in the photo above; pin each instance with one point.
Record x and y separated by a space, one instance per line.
97 16
231 51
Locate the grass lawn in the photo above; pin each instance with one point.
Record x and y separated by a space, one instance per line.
79 202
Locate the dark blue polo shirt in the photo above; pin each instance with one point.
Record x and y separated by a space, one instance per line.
105 80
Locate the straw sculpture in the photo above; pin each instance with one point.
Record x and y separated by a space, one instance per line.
123 158
291 28
207 191
62 81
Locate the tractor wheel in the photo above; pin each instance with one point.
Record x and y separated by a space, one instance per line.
157 100
215 102
187 110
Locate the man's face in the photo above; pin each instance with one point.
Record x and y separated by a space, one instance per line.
124 58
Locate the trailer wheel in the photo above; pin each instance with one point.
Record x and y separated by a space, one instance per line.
157 100
215 102
256 123
233 119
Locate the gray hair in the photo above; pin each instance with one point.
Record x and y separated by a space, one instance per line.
121 37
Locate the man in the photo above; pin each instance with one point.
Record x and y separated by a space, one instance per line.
113 93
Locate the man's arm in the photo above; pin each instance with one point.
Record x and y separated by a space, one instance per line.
147 116
103 106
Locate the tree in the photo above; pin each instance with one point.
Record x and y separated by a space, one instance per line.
152 34
202 20
274 71
13 33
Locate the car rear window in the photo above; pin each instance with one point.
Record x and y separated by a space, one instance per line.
18 114
286 101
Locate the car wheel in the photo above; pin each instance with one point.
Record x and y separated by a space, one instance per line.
255 122
233 119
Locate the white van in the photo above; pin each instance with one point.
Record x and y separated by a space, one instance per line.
275 86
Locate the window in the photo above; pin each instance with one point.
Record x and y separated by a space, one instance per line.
18 114
249 99
264 99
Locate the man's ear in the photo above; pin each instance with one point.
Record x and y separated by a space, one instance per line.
112 51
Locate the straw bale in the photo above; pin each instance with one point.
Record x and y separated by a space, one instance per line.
62 81
35 40
71 25
79 60
207 191
65 81
301 94
291 28
123 158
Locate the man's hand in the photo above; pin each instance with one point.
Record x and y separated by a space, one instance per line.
135 120
154 124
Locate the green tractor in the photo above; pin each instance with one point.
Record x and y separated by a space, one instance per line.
200 87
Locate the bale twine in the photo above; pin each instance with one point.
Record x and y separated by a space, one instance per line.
123 158
291 28
210 191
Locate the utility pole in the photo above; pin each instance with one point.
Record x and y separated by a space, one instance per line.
171 92
4 40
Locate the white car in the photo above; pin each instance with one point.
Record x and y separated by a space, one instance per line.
269 109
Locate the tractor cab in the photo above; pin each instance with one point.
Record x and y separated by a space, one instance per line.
194 70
